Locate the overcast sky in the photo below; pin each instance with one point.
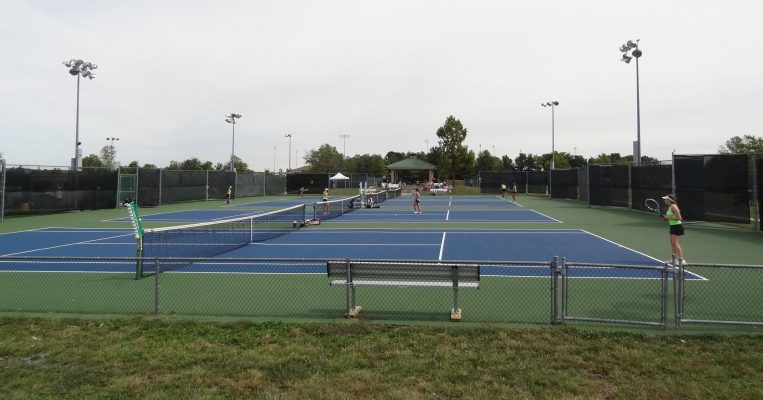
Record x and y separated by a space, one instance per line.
386 73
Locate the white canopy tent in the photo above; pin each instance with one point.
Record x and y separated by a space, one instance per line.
337 178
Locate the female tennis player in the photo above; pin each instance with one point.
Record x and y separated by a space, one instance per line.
416 201
675 220
325 198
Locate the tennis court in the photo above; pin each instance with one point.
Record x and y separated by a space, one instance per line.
92 268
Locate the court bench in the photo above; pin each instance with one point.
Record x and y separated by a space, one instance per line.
352 274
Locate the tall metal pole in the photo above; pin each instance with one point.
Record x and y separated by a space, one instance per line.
233 146
288 135
551 104
632 47
344 149
638 118
84 69
76 132
553 151
231 119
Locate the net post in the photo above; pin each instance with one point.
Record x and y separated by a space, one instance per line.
156 285
139 259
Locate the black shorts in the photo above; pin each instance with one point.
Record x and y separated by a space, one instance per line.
677 230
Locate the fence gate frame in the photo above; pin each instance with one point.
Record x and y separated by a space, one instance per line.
122 189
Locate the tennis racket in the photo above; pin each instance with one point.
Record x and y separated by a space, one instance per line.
653 206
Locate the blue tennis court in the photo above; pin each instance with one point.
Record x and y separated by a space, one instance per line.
486 216
492 245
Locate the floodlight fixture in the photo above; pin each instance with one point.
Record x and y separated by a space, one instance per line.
551 104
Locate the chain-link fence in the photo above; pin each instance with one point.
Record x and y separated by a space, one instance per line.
702 300
525 292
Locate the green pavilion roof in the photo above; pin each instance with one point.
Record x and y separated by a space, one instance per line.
412 163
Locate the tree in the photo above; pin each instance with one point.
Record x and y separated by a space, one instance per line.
452 135
507 164
528 162
92 161
611 159
372 164
325 159
742 145
191 164
108 156
577 161
487 162
393 157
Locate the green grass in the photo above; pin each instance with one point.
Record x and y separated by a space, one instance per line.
162 359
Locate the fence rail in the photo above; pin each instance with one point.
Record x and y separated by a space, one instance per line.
554 292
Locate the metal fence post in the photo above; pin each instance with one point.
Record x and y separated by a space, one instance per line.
156 285
350 290
454 278
664 296
679 295
565 273
554 299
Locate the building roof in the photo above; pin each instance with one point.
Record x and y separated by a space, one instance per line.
411 163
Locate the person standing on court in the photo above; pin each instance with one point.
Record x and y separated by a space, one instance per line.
503 190
326 201
514 192
416 202
675 221
229 193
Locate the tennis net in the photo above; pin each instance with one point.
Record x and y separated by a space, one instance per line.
210 239
324 210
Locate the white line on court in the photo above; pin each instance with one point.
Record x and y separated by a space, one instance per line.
64 245
553 219
442 246
447 216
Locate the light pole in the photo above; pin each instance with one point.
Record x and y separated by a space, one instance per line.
274 160
551 104
111 141
288 135
632 48
231 119
85 69
344 148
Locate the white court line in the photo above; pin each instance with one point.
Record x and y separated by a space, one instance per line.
637 252
447 216
442 246
341 244
64 245
553 219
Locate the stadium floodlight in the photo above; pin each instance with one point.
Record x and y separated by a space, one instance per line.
79 68
231 119
632 47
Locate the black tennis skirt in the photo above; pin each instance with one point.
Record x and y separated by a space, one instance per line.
677 230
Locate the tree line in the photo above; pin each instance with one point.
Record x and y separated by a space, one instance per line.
452 158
